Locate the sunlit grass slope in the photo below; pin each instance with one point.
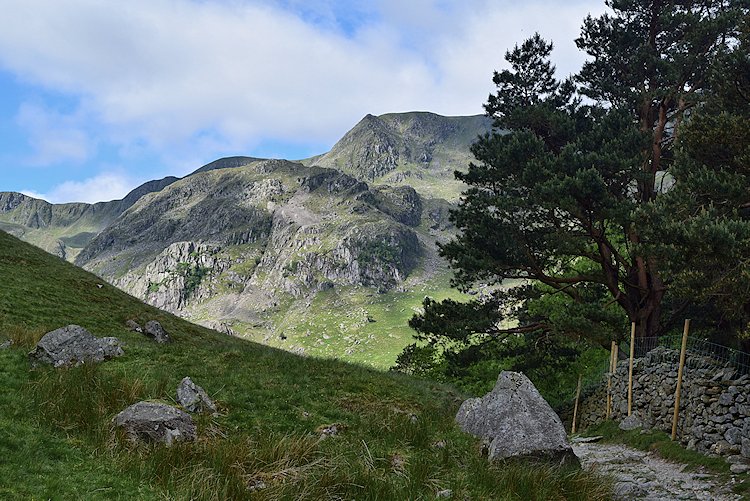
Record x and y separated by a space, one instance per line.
397 439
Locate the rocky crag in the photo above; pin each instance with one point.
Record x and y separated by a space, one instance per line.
270 229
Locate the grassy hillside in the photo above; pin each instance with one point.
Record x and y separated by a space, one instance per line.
398 440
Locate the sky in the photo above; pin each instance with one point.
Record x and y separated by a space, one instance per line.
98 96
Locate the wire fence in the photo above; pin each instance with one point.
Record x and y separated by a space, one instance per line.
699 354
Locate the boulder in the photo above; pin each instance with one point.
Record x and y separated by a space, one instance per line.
194 398
515 421
155 330
630 423
156 422
74 345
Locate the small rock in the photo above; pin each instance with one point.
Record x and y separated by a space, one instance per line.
445 493
630 423
739 468
329 430
584 440
155 330
156 422
7 344
256 485
194 398
440 444
733 435
721 447
134 326
735 459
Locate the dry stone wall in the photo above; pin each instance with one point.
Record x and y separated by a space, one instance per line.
714 408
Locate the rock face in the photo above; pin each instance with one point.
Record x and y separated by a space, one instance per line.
515 421
74 345
194 398
156 422
155 330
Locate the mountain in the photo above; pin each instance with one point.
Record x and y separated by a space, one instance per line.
65 229
245 234
417 149
329 256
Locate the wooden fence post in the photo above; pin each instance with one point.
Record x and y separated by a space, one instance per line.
575 407
683 349
609 379
630 370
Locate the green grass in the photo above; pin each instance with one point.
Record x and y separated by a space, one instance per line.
57 441
354 324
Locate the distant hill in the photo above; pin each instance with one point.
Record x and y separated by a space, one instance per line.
65 229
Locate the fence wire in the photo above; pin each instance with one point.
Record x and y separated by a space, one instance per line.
699 353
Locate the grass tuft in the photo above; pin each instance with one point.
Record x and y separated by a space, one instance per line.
23 336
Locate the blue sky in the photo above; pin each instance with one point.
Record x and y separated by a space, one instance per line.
98 97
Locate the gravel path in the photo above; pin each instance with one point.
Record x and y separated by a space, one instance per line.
642 475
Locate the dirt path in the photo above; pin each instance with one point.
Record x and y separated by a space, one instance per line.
642 475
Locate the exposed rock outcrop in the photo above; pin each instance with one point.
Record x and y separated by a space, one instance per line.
156 422
514 420
74 345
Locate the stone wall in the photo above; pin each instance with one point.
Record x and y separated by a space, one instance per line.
714 409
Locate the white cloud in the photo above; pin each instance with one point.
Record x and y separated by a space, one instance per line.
103 187
54 137
203 77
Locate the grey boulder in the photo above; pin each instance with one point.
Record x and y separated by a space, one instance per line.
630 423
156 422
155 330
194 398
513 420
74 345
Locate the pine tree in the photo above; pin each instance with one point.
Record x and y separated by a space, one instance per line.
561 192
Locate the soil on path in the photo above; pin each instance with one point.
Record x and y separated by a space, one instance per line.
643 475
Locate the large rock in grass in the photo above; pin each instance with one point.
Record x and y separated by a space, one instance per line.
155 330
194 398
156 422
514 420
74 345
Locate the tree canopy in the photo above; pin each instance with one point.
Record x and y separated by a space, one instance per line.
617 195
